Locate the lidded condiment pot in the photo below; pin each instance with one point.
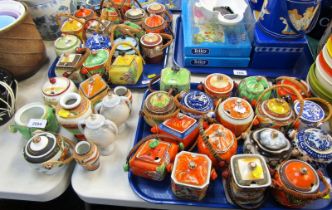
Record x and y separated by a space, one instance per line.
56 87
250 88
218 86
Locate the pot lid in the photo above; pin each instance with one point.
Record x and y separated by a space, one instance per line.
221 138
135 13
159 102
156 8
153 151
175 76
191 169
271 140
96 58
56 86
154 21
83 12
287 91
236 108
197 100
40 148
126 39
111 100
299 176
256 84
180 123
312 112
151 39
93 86
98 41
95 121
66 42
250 171
219 83
315 143
277 107
71 25
68 60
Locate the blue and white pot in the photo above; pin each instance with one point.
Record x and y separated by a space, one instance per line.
288 19
312 114
198 101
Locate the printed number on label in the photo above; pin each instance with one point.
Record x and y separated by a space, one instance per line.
37 123
240 72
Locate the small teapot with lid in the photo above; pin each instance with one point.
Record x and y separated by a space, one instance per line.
217 86
115 108
100 131
250 88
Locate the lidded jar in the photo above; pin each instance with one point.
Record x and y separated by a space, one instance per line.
56 87
218 86
235 114
250 88
84 13
300 85
175 78
154 24
135 15
98 41
159 9
272 144
66 44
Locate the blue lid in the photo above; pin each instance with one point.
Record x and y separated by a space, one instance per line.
98 41
198 100
312 112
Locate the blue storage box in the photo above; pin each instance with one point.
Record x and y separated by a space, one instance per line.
207 34
234 62
278 54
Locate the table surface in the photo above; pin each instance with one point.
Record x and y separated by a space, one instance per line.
18 180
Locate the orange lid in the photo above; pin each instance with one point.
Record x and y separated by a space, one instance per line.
286 91
153 151
221 138
237 108
154 21
219 83
180 123
83 12
192 169
93 86
299 175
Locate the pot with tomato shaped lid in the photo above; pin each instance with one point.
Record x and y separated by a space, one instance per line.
181 127
151 157
235 114
72 25
155 24
158 106
277 112
217 86
135 15
47 153
96 63
217 142
159 9
272 144
191 175
85 13
66 44
313 114
312 145
194 103
300 85
296 183
248 180
250 88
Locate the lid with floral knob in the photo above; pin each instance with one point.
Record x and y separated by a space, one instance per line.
96 58
56 86
71 25
236 108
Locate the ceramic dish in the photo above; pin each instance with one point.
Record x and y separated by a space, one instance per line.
12 9
319 91
322 77
327 56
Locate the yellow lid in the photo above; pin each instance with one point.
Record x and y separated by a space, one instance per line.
278 106
71 25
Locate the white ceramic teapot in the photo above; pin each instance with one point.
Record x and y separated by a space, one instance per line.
115 108
100 131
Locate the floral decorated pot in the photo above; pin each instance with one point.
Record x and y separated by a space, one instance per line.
312 145
151 158
159 9
153 46
270 143
194 103
217 142
300 85
158 106
87 155
155 24
71 110
248 181
98 41
115 108
85 13
100 131
191 175
181 127
94 89
218 86
235 114
34 112
96 63
47 153
66 44
56 87
72 25
135 15
250 88
175 78
296 183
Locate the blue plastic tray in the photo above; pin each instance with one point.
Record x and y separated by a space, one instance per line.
161 192
143 80
300 69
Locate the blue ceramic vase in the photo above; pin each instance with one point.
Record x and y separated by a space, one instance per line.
288 19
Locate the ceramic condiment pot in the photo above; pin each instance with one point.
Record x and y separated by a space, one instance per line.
124 92
158 107
34 112
96 63
155 24
235 114
111 14
159 9
100 131
71 110
87 155
272 144
248 180
217 86
191 175
296 183
98 39
47 153
218 142
250 88
85 13
300 85
122 49
115 108
153 46
135 15
175 79
66 44
56 87
72 25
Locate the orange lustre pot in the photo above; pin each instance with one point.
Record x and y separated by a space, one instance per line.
154 24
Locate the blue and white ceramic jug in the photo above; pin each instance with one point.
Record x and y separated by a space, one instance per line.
288 19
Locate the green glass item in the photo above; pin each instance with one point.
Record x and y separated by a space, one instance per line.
251 88
175 78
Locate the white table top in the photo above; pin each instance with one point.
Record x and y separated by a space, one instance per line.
18 180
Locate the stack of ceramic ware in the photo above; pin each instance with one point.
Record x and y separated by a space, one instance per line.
320 74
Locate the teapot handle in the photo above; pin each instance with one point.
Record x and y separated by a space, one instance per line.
109 62
168 37
67 15
99 25
80 125
97 108
113 126
296 81
124 30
